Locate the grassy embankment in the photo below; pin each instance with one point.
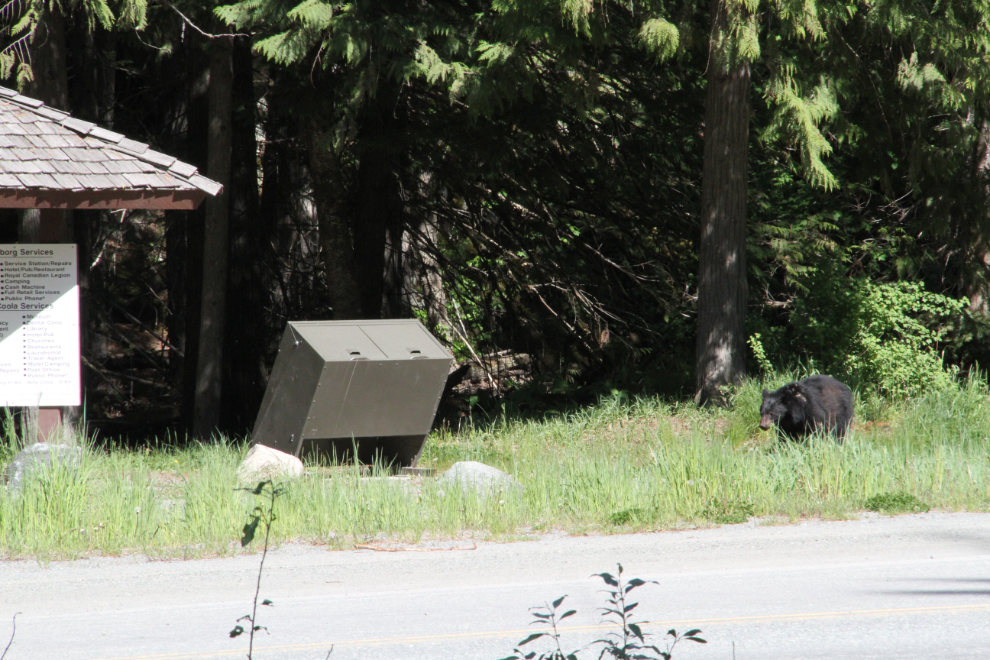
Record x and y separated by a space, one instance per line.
620 466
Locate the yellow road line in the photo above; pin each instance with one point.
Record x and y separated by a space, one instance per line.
563 629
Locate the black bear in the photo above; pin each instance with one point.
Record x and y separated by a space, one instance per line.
808 405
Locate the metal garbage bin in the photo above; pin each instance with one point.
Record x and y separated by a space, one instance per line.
340 385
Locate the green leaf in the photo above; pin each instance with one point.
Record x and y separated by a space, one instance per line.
533 637
249 531
607 577
660 37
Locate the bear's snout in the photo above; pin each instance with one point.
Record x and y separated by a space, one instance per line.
766 422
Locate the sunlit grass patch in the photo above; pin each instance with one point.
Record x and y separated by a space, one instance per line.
624 465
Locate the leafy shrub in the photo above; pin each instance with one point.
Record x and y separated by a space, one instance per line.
727 512
635 515
895 503
883 336
896 344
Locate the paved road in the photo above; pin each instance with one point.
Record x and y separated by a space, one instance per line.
893 588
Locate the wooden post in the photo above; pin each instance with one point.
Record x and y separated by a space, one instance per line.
52 228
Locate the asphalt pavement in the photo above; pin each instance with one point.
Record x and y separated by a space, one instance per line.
913 586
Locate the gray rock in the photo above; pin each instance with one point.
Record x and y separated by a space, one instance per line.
483 478
32 460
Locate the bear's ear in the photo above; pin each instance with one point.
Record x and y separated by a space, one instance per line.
766 392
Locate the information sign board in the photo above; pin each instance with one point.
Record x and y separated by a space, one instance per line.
39 325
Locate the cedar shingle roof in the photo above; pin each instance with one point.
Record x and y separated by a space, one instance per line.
45 150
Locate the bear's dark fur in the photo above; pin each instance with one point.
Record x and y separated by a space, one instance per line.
805 406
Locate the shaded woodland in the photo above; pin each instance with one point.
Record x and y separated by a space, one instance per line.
575 197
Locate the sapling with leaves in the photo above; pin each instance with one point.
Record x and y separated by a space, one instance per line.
546 615
629 644
263 514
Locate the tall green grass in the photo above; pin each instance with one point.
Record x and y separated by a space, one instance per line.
625 464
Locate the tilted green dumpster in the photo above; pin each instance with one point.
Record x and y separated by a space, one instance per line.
336 385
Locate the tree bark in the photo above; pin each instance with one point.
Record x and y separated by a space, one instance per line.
91 93
722 291
206 408
244 362
375 218
184 229
91 70
50 85
378 223
49 60
336 243
978 290
398 272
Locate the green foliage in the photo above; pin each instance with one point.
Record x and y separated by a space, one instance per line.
727 511
894 503
884 336
629 643
660 37
896 346
759 353
20 20
633 516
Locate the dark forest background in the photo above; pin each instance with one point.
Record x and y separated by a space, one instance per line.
539 182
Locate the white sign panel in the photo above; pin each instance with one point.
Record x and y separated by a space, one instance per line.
39 325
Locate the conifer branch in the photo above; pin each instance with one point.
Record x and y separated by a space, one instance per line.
195 27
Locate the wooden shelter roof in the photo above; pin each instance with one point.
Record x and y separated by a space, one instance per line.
48 159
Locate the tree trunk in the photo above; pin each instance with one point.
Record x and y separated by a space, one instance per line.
398 272
978 289
335 231
48 61
378 211
244 362
209 361
91 90
49 84
722 291
376 214
91 70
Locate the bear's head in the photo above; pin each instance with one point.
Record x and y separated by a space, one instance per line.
778 403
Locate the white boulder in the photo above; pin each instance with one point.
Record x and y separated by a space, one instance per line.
264 463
